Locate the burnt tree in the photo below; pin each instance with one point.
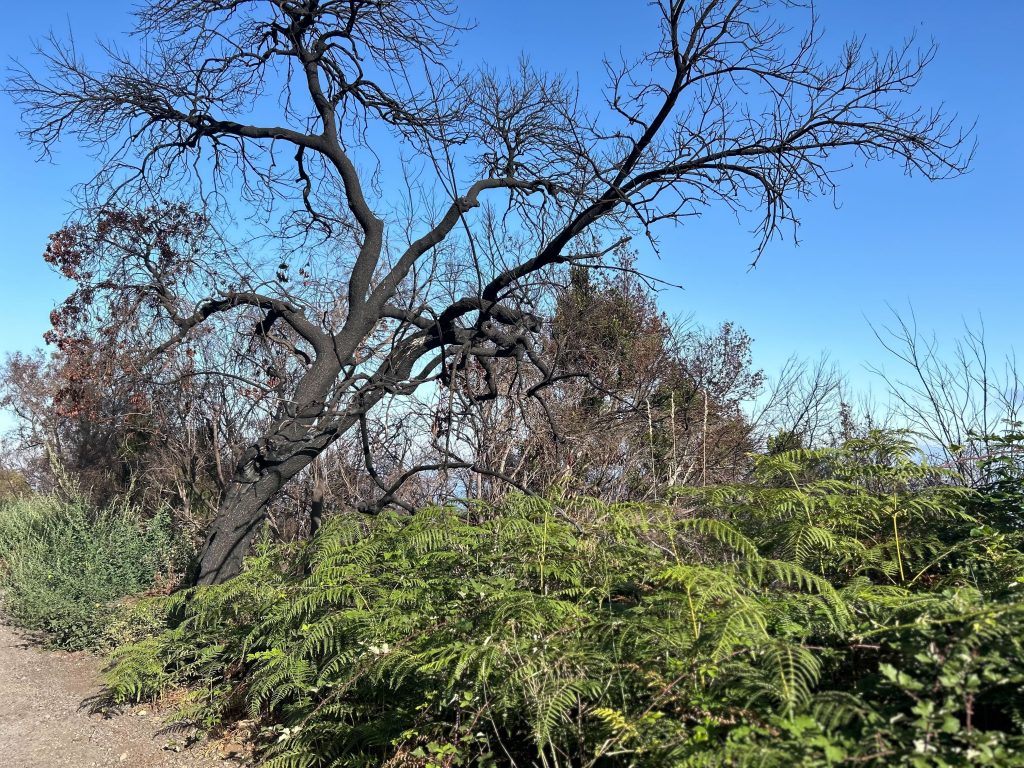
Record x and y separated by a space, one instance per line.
411 270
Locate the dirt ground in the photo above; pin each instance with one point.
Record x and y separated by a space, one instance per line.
47 720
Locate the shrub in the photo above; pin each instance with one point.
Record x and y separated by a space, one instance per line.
64 566
823 614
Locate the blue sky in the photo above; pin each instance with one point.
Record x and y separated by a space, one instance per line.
952 250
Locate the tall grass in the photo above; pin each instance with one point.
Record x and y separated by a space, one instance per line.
64 565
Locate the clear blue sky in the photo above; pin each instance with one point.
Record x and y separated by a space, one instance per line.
952 249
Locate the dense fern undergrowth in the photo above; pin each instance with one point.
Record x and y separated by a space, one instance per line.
844 607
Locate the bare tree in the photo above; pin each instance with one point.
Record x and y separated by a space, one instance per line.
803 405
958 398
284 104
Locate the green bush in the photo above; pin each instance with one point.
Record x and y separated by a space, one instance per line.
65 566
833 611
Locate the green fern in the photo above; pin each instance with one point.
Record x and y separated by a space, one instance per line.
765 623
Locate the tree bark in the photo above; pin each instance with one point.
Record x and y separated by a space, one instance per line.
316 511
243 508
298 436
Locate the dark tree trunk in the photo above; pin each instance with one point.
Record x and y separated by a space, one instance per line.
299 435
316 510
243 508
294 441
239 518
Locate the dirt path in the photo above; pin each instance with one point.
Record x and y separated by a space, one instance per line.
45 719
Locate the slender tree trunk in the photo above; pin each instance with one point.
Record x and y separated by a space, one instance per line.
316 510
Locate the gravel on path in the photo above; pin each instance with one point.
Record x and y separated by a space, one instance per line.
46 717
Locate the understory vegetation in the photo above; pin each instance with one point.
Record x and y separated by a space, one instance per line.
844 606
65 565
